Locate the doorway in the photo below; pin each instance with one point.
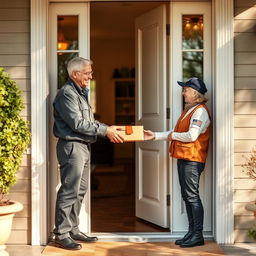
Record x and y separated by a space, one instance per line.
112 48
113 96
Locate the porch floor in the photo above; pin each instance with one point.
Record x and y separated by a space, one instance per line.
148 249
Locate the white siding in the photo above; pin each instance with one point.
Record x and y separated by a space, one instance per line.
245 113
15 58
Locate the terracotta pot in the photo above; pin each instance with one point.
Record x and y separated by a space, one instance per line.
6 216
251 207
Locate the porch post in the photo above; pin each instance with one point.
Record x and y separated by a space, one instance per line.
223 121
38 121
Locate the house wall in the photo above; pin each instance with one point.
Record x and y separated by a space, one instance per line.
15 58
245 112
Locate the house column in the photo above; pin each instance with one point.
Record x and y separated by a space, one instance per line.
38 121
223 121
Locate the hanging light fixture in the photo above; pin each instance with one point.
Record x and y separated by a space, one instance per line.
62 43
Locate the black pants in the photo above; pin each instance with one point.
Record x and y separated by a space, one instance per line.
189 176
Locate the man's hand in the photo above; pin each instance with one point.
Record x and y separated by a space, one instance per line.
148 135
170 136
113 135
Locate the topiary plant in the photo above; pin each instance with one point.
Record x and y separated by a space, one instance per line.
14 133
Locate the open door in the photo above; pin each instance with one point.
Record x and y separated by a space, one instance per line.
151 157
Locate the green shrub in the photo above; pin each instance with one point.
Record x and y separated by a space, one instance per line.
14 132
252 233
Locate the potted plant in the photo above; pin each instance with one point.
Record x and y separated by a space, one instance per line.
14 139
250 168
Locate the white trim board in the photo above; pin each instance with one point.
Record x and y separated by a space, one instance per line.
144 236
223 117
223 161
39 94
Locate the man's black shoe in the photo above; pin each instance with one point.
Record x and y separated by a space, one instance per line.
67 243
83 237
195 240
185 238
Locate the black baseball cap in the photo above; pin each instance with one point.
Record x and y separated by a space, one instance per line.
194 83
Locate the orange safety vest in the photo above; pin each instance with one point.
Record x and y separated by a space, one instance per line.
192 151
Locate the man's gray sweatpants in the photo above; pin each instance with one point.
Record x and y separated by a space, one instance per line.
74 160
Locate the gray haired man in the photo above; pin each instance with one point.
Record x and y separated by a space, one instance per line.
76 129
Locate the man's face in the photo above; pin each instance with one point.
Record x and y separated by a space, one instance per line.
189 94
83 76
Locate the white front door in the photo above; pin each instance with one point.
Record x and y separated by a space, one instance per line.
68 37
191 56
151 157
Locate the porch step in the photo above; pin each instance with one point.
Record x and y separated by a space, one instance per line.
135 249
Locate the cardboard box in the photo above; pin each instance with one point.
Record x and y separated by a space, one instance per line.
132 133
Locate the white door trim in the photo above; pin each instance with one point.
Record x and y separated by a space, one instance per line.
223 117
39 94
223 105
178 9
80 10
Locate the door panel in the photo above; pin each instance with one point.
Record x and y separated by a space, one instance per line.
77 16
151 157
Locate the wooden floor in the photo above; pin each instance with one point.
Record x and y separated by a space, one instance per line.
113 202
136 249
117 214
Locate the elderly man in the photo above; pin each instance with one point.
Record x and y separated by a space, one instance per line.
189 144
75 129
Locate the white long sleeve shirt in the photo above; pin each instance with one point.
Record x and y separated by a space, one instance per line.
198 124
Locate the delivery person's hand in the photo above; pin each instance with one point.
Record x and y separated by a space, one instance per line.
170 136
148 135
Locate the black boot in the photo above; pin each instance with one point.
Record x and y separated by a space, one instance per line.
191 224
185 238
195 240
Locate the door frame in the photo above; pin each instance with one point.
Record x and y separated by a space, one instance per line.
179 215
56 9
223 160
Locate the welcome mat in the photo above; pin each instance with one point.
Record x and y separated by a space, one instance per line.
135 249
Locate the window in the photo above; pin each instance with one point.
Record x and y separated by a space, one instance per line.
67 44
192 46
93 95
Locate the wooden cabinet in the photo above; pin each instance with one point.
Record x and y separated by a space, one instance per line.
124 112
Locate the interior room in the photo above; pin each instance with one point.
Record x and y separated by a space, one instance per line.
112 49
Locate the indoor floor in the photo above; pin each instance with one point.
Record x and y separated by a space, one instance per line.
113 201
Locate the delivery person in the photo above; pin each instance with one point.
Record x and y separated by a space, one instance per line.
189 144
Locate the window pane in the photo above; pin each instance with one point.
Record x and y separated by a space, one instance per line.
63 59
192 32
67 33
93 95
192 65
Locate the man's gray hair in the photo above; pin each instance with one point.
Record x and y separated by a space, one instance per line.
77 63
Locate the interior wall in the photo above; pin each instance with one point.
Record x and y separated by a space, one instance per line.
112 43
108 54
